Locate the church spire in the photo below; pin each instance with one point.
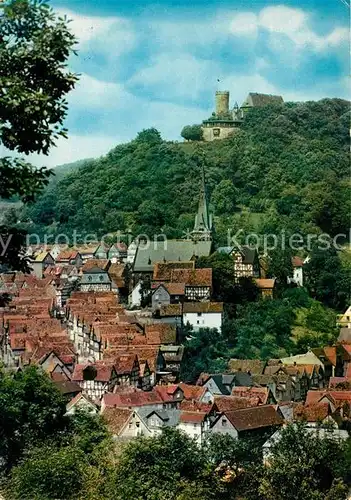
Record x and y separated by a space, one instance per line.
203 219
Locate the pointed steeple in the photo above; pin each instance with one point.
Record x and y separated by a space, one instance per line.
203 219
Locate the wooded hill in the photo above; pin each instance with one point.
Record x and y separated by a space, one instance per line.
288 167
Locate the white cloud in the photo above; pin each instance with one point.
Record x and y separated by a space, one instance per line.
87 27
167 117
91 93
244 23
175 72
179 34
106 100
182 75
243 84
339 88
292 23
282 19
112 35
337 36
76 147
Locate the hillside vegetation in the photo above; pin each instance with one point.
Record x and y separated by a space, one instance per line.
287 168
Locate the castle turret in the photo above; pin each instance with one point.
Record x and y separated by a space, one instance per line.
222 103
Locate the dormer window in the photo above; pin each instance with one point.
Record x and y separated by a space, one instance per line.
89 373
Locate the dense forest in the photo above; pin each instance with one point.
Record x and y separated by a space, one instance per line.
287 168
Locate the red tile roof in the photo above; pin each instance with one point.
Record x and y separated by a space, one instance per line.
347 348
252 392
337 397
254 418
314 396
193 277
297 261
103 264
265 283
103 372
134 398
163 270
314 412
144 353
196 406
192 392
116 418
330 353
59 376
115 272
341 396
334 381
203 307
307 369
167 392
67 255
171 310
254 366
230 403
160 333
172 288
125 363
67 387
192 416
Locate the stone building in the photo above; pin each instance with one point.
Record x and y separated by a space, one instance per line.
225 121
256 100
95 279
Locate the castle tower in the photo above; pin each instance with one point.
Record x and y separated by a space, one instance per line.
223 122
203 219
222 102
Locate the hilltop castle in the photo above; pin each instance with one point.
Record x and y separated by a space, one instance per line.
225 121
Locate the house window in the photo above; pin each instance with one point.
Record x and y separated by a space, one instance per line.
101 278
137 424
90 278
199 314
195 426
224 423
216 132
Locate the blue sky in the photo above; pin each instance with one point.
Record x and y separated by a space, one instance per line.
146 63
